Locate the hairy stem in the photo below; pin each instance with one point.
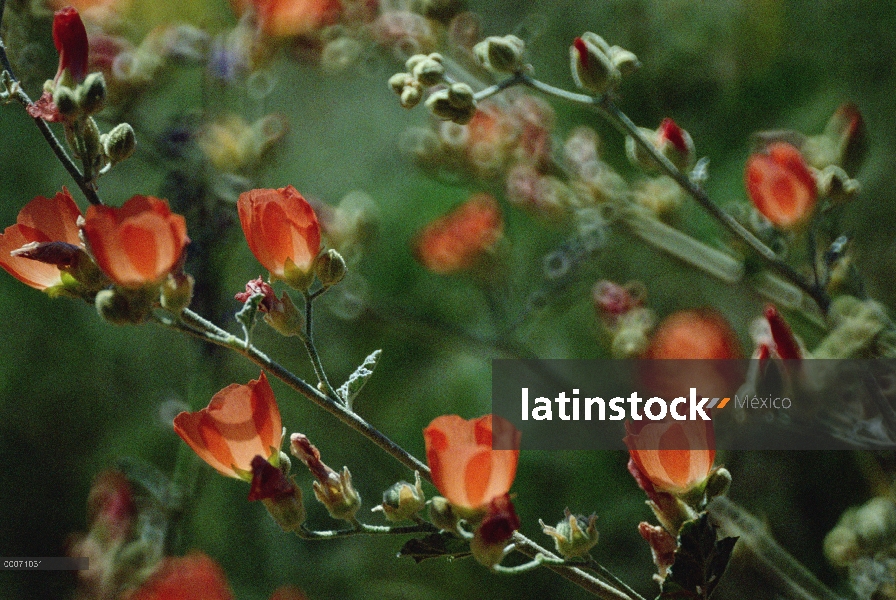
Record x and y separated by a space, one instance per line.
308 339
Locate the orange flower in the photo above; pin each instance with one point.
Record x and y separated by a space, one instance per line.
675 456
192 577
464 467
282 230
41 220
240 423
456 241
137 244
781 186
696 333
287 18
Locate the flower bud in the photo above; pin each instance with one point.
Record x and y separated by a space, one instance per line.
718 482
91 94
411 95
280 495
442 514
122 308
334 490
284 317
329 267
456 103
398 82
119 143
592 68
428 70
574 536
675 144
624 60
66 102
500 54
177 292
637 155
402 501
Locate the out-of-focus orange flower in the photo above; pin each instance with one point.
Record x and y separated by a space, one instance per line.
288 592
781 186
191 577
41 220
137 244
695 333
240 423
456 241
675 456
464 467
70 39
288 18
281 229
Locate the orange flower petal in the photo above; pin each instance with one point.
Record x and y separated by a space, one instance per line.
279 225
240 423
674 456
41 220
464 467
781 186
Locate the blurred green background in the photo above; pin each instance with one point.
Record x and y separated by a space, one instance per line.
76 393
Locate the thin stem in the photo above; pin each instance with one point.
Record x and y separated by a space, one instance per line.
605 106
516 79
49 136
539 561
308 338
604 572
364 529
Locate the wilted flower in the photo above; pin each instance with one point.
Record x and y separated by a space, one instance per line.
781 186
240 423
138 244
41 221
282 232
456 241
489 543
465 468
332 489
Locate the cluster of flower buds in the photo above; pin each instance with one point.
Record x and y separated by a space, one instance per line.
623 316
598 67
423 71
502 54
74 96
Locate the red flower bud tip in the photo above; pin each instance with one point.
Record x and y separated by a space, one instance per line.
612 300
763 353
781 186
500 521
674 134
70 39
259 286
268 482
582 49
786 345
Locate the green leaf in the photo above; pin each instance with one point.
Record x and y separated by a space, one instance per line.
699 562
434 546
349 390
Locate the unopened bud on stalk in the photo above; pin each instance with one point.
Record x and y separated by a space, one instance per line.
427 69
456 103
119 143
91 94
500 54
329 267
402 501
66 102
592 68
177 292
441 514
574 536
